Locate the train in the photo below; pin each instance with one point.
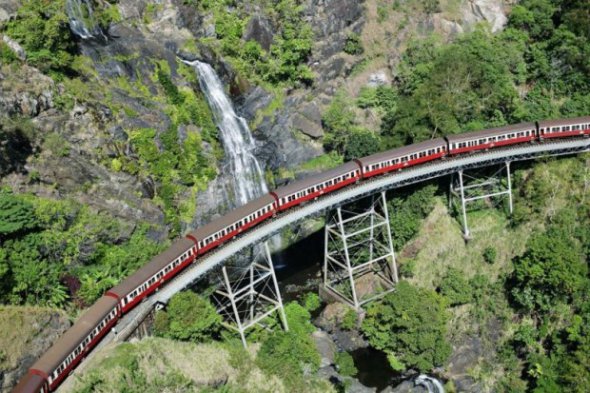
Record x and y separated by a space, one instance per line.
70 349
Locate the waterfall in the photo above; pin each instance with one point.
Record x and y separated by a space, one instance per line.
432 384
244 168
81 18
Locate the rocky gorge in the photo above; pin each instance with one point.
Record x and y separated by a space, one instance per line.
76 138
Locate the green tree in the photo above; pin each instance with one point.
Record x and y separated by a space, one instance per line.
311 301
407 212
345 364
188 317
410 324
16 215
42 28
552 270
361 143
467 85
288 354
455 287
338 120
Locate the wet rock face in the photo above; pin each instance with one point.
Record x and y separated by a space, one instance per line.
15 148
8 9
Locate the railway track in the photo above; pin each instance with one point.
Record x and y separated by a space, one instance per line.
128 323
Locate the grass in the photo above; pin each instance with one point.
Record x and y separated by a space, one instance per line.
322 163
440 245
156 364
19 328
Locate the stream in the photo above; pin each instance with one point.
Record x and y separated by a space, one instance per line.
299 271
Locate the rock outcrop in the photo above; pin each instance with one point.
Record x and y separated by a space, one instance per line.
25 333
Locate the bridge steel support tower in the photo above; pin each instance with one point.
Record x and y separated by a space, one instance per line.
249 295
469 188
359 259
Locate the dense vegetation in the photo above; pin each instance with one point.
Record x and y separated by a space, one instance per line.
534 69
286 354
58 252
284 61
410 326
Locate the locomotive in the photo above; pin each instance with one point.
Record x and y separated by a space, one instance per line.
54 366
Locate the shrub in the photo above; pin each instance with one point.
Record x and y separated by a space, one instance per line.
188 317
41 27
361 143
16 214
353 44
349 320
345 364
489 255
311 301
406 269
411 325
455 287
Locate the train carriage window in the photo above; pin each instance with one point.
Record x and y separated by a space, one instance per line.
555 129
566 128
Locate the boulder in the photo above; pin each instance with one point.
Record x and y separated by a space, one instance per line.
307 126
378 78
325 346
254 101
15 47
492 11
260 30
331 316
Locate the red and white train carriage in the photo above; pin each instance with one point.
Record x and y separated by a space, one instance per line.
46 374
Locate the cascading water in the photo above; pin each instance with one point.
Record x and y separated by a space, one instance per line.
237 140
432 384
239 146
81 18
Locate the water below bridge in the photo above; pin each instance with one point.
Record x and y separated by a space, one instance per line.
298 270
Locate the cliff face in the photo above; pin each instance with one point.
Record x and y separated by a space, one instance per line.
61 139
25 334
121 66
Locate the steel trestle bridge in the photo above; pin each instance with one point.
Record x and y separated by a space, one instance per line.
267 229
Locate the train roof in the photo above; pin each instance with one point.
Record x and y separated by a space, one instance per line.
64 345
402 151
29 383
467 136
232 216
312 180
565 122
157 263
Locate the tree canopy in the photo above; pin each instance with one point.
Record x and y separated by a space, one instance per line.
188 317
16 214
552 270
410 324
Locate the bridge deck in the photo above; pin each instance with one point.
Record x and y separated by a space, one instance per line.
393 180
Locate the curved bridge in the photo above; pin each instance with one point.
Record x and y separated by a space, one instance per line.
351 193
